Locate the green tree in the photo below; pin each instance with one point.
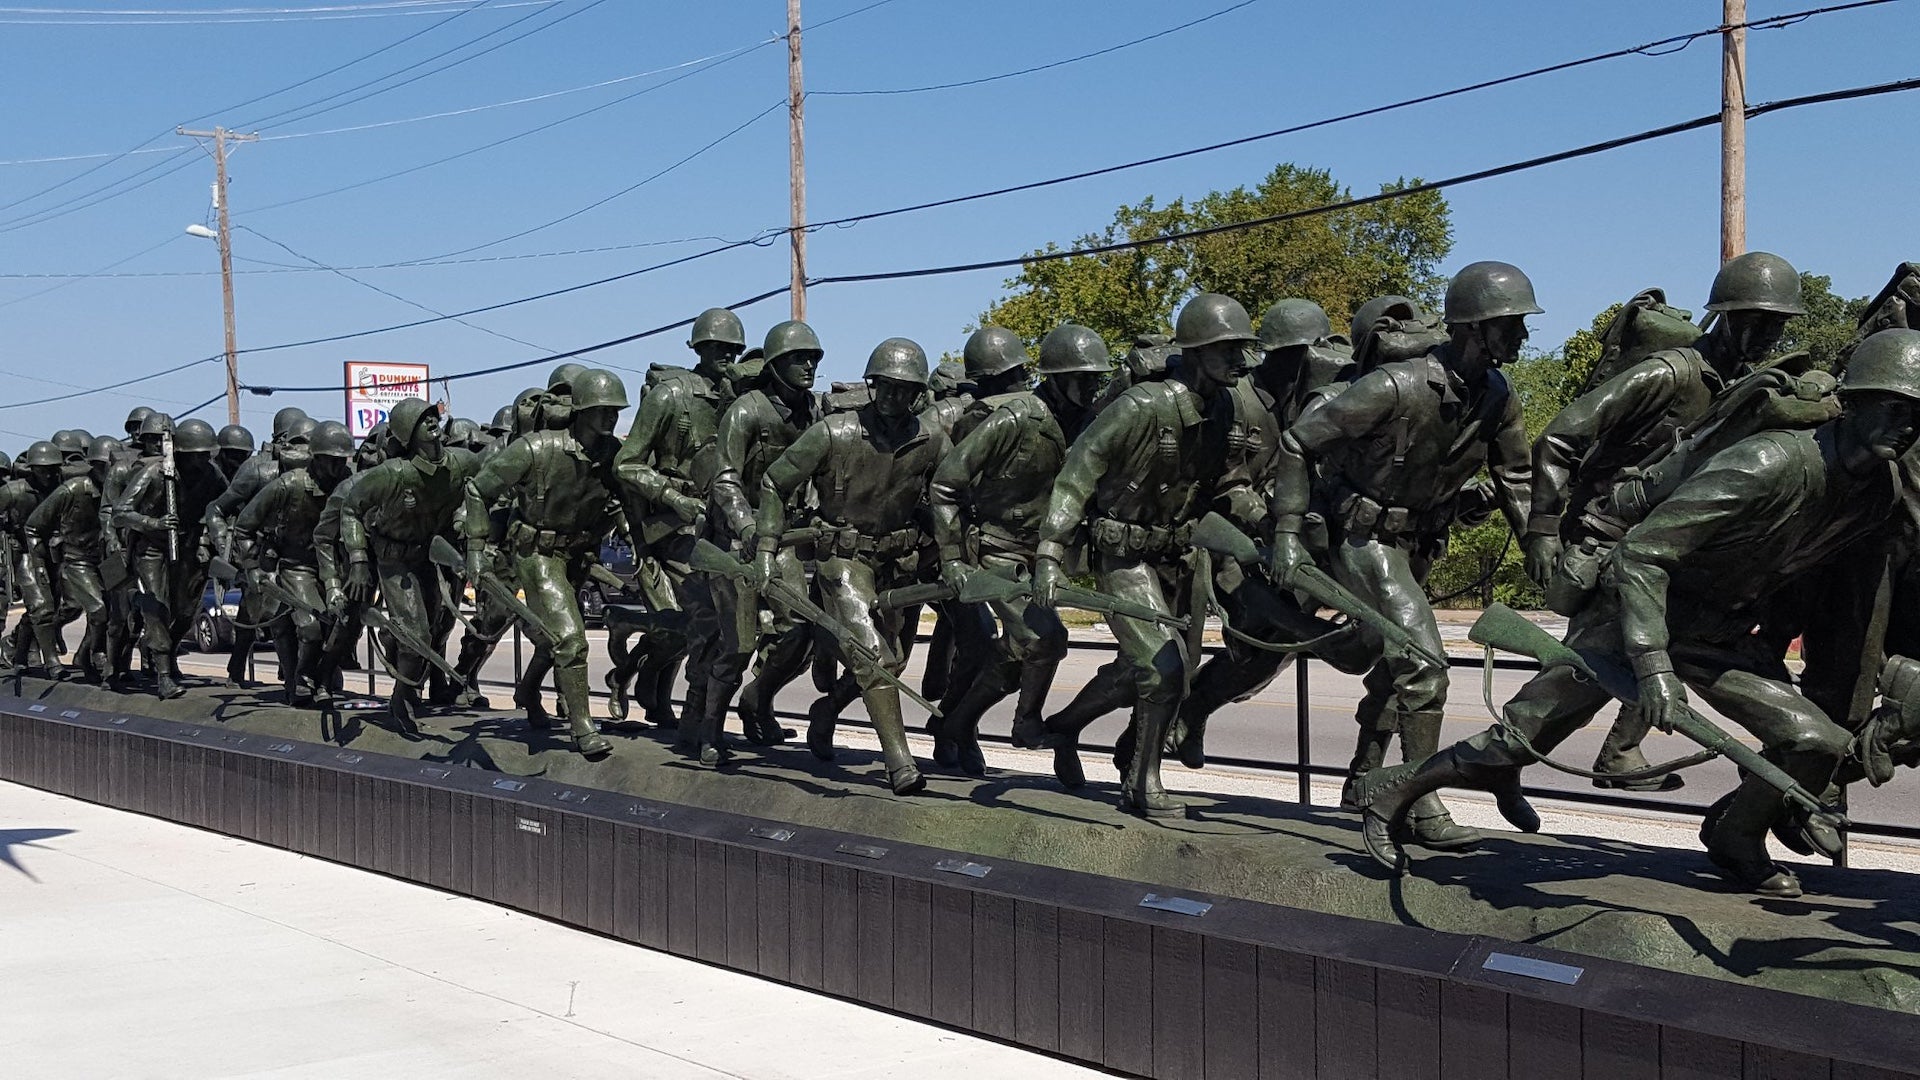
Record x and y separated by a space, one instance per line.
1827 327
1337 259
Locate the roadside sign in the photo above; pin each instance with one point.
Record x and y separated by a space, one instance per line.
373 387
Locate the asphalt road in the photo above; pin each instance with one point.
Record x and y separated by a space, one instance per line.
1263 728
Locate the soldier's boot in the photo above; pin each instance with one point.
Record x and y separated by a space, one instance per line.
1188 738
1140 790
587 742
1736 840
473 656
243 642
902 774
309 681
1369 753
166 677
1036 678
46 636
653 688
826 671
1431 825
1387 796
93 653
1621 753
403 704
286 650
934 681
526 693
441 691
1110 688
960 726
621 663
779 666
825 715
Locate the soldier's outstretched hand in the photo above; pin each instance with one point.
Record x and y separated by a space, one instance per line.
954 573
360 583
1289 554
1048 576
1543 554
1662 698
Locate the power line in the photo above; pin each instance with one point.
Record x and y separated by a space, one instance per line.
117 385
1037 68
102 272
259 15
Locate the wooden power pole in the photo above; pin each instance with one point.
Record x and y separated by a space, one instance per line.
797 160
1733 130
220 137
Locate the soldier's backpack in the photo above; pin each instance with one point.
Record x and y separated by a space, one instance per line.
1146 361
1643 326
1401 333
1897 306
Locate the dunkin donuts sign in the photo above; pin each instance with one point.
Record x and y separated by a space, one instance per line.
373 387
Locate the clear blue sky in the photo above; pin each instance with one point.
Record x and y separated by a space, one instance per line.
1829 187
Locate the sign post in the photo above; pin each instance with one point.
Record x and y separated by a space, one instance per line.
373 387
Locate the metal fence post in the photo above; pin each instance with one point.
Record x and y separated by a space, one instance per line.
1303 749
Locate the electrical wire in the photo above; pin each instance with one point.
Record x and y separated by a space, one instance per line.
102 272
269 15
112 386
1038 68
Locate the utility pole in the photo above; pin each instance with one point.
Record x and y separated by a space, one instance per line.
797 160
220 137
1733 130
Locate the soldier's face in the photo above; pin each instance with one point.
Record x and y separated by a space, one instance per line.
1503 337
795 370
596 422
1077 387
328 471
1220 363
44 476
1884 422
718 352
892 398
1755 334
429 438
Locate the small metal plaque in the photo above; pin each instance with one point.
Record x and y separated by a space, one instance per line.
235 740
572 796
36 708
119 720
351 759
1529 967
438 774
650 813
962 866
1179 905
865 851
190 733
70 714
508 785
537 828
773 833
281 748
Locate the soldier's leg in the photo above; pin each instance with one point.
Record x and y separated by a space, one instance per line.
441 690
554 600
156 622
405 589
490 622
848 590
1807 745
80 583
280 630
1112 687
309 633
629 657
40 628
1038 665
1158 661
254 610
784 654
1621 753
1002 658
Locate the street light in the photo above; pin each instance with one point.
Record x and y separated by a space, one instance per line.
202 232
226 297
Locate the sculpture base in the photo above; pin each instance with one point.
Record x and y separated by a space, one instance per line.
1049 944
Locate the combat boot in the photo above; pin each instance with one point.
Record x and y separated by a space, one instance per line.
1621 754
166 678
1036 678
403 704
1369 753
1140 790
1428 820
883 707
824 716
587 742
1736 840
286 649
243 641
307 685
1110 688
45 636
1188 737
526 693
1387 796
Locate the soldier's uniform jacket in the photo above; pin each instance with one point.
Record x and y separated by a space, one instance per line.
869 488
69 516
1139 474
1245 486
1615 426
125 465
18 500
1398 444
670 447
249 480
562 495
754 431
990 492
396 508
144 502
1756 516
329 557
282 518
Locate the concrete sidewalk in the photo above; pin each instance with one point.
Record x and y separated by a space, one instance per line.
133 947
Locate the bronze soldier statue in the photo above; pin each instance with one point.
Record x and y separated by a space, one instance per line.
273 537
1396 449
45 469
164 508
248 480
562 492
1138 477
1691 582
1587 447
754 431
236 448
869 470
986 502
64 545
147 430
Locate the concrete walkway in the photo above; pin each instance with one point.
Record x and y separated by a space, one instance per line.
133 947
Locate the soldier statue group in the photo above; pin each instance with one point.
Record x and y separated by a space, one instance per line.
1700 507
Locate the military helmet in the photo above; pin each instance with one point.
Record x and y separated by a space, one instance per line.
332 439
790 336
502 422
1211 317
1756 281
70 444
137 417
991 350
561 378
85 435
1293 322
718 324
1888 361
42 453
103 450
1071 347
302 428
1397 307
946 378
461 431
194 437
6 464
235 437
403 421
598 387
156 423
284 420
1488 290
899 359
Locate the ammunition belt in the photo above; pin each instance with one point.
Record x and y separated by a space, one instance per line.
526 539
389 550
849 542
1361 516
1112 536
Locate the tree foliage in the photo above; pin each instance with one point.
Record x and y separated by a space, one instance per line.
1338 259
1828 326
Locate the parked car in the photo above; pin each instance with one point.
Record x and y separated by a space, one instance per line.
213 626
616 555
